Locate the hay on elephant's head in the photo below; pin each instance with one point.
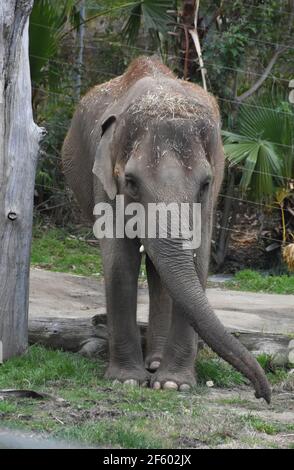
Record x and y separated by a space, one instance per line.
288 256
161 105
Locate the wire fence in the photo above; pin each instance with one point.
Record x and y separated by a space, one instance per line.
172 16
225 196
68 203
170 56
267 206
234 101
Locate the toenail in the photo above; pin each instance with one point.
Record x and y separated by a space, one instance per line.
184 387
156 385
154 365
131 382
170 385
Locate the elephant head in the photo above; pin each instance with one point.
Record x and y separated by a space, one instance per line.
161 143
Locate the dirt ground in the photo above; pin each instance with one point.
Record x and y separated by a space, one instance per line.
243 403
65 295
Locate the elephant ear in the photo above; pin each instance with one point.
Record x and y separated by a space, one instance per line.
104 158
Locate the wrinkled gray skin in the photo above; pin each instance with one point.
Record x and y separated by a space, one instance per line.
154 138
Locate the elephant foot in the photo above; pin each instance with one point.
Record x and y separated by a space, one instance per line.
133 377
182 381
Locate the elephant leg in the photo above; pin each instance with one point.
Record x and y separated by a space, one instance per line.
160 305
177 368
121 263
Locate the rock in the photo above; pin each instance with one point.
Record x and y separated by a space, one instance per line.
291 356
93 347
280 358
210 383
291 344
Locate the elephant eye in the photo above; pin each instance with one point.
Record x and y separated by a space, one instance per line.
131 185
204 189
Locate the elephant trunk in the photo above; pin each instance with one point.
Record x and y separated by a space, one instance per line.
177 271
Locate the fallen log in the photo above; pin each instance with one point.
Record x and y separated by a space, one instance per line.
89 337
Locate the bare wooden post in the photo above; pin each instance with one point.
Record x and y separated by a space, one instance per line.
19 143
195 37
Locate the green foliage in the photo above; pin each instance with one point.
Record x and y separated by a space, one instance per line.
229 45
54 115
274 373
237 51
253 281
152 14
265 361
46 24
260 425
211 367
262 147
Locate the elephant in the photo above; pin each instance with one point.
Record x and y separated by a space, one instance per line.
152 137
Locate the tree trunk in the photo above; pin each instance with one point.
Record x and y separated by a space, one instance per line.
80 52
19 138
89 336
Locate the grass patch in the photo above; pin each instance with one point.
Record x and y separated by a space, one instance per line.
7 407
95 411
285 384
275 374
267 427
233 401
211 367
265 361
40 367
113 434
69 251
58 250
248 280
260 425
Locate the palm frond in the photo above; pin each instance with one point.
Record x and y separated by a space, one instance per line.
237 152
132 26
152 14
46 22
263 146
249 166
